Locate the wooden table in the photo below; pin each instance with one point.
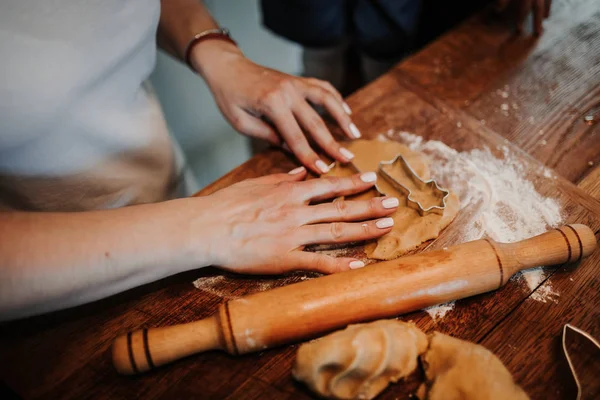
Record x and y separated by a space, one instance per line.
552 83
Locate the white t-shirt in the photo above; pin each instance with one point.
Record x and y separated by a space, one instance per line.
79 127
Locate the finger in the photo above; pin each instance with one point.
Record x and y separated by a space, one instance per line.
327 86
335 108
524 9
343 232
316 262
252 126
287 125
329 187
315 126
547 7
538 16
296 174
349 210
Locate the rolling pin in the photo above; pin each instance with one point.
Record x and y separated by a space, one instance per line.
309 308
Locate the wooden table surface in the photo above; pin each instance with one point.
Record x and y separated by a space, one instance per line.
552 83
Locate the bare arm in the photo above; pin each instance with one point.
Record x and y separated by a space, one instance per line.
180 20
50 261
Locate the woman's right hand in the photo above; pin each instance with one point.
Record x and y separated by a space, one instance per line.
260 226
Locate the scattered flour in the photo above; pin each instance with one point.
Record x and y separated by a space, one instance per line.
439 311
231 287
505 205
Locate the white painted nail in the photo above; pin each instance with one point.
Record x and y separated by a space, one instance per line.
354 130
390 202
322 166
296 171
384 223
346 108
356 264
346 153
368 177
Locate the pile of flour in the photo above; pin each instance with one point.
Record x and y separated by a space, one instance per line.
505 207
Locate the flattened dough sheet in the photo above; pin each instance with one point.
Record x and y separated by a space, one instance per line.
410 228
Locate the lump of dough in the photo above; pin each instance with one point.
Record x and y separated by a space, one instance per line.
456 369
360 361
410 228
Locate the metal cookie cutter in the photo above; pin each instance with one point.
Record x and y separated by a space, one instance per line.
420 183
585 335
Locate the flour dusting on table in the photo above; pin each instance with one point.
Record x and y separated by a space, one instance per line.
506 206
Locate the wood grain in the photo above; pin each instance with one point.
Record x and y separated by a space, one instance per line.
549 85
555 80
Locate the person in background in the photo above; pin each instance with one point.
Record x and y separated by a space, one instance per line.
338 35
90 178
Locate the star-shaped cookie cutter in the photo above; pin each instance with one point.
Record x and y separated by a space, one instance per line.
422 184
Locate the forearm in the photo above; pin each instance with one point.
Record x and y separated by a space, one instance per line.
180 20
50 261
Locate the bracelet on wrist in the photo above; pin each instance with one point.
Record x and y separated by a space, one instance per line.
210 34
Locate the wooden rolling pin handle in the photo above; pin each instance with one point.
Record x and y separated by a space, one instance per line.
146 349
567 244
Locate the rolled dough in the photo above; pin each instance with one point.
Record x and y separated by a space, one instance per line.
360 361
456 369
410 228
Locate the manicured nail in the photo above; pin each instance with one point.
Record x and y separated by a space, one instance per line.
384 223
368 177
296 171
346 108
346 153
356 264
390 202
354 130
322 166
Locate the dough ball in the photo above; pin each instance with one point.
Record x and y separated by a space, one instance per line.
360 361
456 369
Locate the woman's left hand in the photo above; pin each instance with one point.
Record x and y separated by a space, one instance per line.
266 104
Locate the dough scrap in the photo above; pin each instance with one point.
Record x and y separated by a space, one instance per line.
410 228
360 361
457 369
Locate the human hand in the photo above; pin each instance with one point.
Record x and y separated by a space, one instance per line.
260 226
248 94
522 8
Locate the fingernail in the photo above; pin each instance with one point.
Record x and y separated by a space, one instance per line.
384 223
346 153
368 177
356 264
354 130
322 166
346 108
390 202
296 171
